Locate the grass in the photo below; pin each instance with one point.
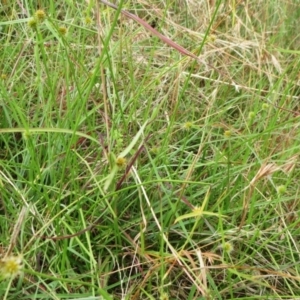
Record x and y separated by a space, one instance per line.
129 170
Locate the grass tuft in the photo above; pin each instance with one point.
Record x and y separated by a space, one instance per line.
149 150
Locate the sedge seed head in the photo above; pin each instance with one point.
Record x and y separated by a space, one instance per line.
88 20
62 30
227 133
32 23
26 135
281 189
154 150
164 296
11 266
40 15
121 162
265 106
251 115
227 247
212 38
187 125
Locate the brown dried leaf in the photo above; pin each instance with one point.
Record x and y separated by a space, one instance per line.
264 171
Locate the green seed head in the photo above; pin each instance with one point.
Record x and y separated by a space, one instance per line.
32 23
227 247
251 115
40 15
121 162
11 266
187 125
227 133
88 20
62 30
281 189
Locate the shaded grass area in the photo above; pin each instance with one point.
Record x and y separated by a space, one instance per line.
184 174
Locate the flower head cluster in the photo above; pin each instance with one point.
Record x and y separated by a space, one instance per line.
62 30
227 133
11 266
187 126
227 247
121 162
88 20
39 17
281 189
